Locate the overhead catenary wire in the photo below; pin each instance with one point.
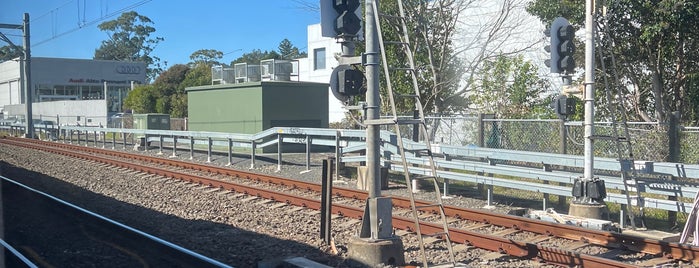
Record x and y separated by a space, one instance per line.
81 26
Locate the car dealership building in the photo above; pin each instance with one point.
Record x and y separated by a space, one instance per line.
69 90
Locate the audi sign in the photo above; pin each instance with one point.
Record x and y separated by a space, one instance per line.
128 69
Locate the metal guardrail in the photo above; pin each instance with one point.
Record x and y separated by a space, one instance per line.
461 161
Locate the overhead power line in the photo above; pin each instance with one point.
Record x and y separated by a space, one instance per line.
83 24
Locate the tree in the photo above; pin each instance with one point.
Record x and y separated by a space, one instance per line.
170 81
510 87
142 99
9 53
450 51
167 93
288 51
648 53
200 75
451 41
255 57
168 84
130 40
206 56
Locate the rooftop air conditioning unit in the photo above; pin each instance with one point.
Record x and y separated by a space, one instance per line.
222 75
246 73
217 75
253 73
278 70
267 70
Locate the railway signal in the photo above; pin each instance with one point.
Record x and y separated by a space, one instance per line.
340 18
562 47
346 82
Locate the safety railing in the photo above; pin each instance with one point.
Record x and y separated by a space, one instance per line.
661 182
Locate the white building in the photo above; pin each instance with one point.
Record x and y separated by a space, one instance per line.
318 67
90 91
69 90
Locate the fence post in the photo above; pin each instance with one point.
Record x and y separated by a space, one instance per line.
673 156
674 138
563 149
481 131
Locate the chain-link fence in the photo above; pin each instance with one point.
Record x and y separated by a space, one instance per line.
452 130
649 141
689 145
526 135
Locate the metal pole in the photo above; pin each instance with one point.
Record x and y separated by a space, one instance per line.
27 77
373 102
338 156
372 112
589 90
326 202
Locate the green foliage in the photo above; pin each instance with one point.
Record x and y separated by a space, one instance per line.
200 75
437 67
167 94
288 51
178 105
130 40
170 81
142 99
206 56
9 53
653 44
547 10
256 56
511 88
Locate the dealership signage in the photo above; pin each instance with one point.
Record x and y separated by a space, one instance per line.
128 69
96 81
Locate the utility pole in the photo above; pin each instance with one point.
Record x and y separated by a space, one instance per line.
27 78
25 67
589 90
376 245
588 191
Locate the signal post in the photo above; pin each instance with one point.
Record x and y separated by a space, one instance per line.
588 191
376 245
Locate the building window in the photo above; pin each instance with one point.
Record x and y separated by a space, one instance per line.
319 59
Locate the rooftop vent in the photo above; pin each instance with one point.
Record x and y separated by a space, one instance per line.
246 73
222 75
279 70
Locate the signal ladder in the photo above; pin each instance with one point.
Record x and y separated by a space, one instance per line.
431 171
622 141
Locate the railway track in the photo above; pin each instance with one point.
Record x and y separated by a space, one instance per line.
49 232
532 234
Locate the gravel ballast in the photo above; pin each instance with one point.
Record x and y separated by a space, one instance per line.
229 227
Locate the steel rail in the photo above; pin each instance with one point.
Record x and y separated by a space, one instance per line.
161 249
602 238
488 242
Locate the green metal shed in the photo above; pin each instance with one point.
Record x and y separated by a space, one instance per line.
151 121
255 106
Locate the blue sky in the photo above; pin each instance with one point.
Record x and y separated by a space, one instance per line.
68 28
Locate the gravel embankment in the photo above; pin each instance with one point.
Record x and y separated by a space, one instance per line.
231 228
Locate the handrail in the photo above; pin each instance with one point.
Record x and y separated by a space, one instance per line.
463 158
